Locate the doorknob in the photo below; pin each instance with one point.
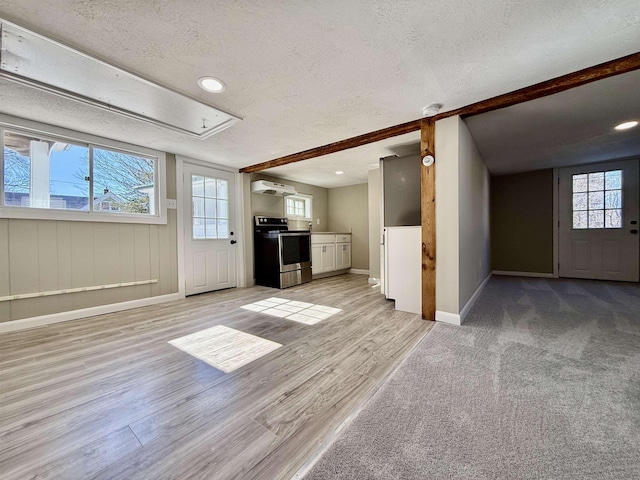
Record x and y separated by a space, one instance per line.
233 242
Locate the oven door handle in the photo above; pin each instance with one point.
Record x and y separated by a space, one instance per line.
294 234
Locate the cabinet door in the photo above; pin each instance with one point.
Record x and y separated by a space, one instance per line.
316 258
340 256
346 255
329 257
343 256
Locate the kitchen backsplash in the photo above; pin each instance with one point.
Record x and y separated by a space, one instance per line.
298 224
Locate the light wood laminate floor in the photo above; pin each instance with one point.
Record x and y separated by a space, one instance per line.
108 398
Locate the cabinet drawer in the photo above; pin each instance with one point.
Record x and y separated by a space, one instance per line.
322 238
343 238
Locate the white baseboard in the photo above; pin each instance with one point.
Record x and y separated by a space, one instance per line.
472 300
42 320
523 274
455 318
446 317
359 271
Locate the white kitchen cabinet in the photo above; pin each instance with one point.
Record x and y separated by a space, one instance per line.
330 252
343 255
323 257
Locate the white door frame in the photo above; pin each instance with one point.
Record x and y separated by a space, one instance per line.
239 212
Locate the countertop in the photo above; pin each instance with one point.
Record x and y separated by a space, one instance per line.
332 233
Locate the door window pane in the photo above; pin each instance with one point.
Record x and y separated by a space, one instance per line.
580 220
596 219
210 207
597 200
613 218
580 183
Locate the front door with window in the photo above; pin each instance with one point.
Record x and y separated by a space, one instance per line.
209 233
598 215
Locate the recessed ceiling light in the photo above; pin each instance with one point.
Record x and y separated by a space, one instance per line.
626 125
339 172
211 84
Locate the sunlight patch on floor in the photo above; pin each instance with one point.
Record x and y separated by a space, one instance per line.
225 348
302 312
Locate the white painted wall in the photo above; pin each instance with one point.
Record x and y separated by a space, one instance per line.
348 212
462 220
473 207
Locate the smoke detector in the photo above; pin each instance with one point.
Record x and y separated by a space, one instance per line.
431 110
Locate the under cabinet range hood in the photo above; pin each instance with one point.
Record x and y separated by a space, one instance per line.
272 188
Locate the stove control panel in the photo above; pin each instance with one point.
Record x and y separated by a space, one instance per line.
270 221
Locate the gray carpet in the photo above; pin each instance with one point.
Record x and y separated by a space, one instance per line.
541 382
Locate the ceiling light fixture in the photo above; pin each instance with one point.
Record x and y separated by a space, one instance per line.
212 84
626 125
339 172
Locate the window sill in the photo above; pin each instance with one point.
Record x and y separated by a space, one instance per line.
80 216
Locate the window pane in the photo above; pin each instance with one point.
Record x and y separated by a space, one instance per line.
223 191
210 187
44 173
222 209
580 201
613 218
124 179
596 181
613 180
596 219
198 207
579 183
596 200
223 228
211 228
210 211
198 228
580 220
612 199
197 185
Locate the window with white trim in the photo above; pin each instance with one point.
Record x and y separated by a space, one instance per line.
210 209
42 174
298 206
597 200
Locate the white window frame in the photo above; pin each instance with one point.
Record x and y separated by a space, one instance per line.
27 127
308 206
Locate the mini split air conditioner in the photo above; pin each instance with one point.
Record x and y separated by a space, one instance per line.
272 188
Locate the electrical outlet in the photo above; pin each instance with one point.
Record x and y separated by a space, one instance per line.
172 203
318 221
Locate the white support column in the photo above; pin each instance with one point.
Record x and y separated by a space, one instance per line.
39 193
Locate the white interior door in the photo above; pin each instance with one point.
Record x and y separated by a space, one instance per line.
598 217
209 229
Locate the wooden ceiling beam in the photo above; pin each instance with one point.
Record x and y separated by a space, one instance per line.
352 142
539 90
549 87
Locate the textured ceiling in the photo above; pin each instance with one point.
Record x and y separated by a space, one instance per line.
303 74
568 128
